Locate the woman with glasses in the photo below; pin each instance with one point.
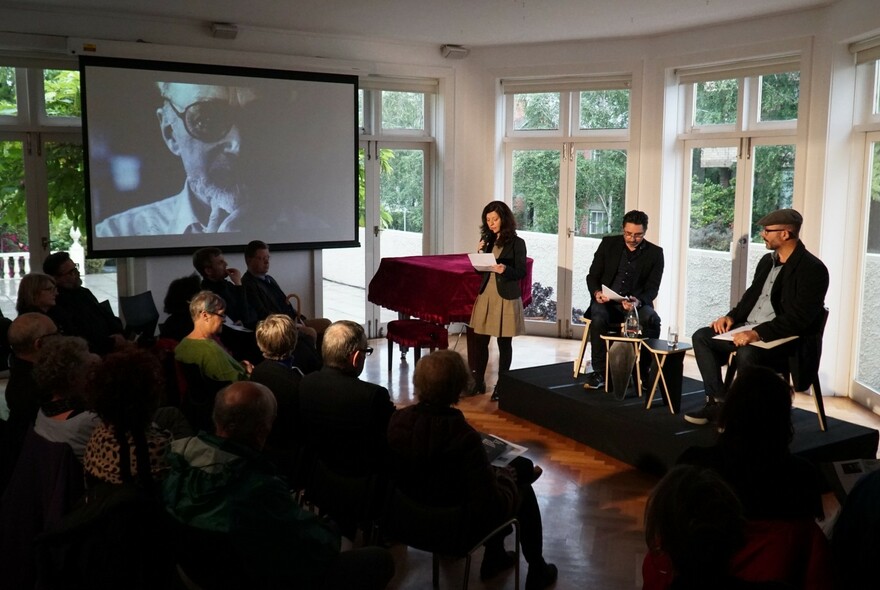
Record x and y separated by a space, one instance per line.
201 348
36 292
498 310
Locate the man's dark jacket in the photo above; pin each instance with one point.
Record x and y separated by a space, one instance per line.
797 296
345 420
648 267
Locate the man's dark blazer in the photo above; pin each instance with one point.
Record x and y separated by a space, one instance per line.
513 257
797 296
78 313
648 267
345 420
265 298
235 296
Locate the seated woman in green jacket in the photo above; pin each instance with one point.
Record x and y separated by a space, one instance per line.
200 347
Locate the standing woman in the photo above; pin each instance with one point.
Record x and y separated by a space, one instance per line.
498 310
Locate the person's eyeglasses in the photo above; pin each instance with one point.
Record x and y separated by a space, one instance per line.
49 335
367 351
770 231
208 120
50 289
222 316
634 236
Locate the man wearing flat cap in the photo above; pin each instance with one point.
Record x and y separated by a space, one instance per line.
786 298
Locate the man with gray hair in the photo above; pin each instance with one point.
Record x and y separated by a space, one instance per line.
222 484
345 420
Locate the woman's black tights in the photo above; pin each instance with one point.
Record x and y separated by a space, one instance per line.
481 355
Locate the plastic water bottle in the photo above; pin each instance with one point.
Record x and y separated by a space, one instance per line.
631 327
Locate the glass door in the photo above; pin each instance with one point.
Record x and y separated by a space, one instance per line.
15 243
732 184
536 200
564 201
393 185
866 382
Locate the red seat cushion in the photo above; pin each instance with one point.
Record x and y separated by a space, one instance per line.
417 333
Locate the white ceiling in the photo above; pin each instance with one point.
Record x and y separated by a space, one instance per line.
465 22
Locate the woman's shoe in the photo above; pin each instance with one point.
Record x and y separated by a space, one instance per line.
477 388
540 577
495 394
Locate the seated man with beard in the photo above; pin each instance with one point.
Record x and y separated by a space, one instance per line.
204 125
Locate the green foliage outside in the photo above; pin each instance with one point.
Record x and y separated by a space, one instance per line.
605 109
8 104
536 111
64 164
716 102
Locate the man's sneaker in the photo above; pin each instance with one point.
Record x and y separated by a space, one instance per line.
706 414
594 380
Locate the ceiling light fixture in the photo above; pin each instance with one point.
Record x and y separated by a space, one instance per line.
224 30
454 51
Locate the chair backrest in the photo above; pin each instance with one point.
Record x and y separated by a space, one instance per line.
350 500
139 313
804 362
46 482
118 538
437 529
197 398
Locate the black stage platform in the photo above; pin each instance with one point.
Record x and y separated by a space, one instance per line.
652 439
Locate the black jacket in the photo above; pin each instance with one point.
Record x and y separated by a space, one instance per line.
798 296
648 266
513 257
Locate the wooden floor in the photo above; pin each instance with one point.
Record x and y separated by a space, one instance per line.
592 505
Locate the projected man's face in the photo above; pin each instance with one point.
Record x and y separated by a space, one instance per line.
203 126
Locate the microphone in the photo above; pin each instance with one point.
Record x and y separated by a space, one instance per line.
486 238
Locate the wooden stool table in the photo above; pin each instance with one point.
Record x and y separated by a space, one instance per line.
620 361
670 365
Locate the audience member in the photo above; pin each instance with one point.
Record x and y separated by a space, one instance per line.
176 304
631 266
222 484
694 520
786 298
439 459
124 391
26 336
225 281
345 420
752 452
36 292
208 311
855 541
60 372
266 297
77 311
276 337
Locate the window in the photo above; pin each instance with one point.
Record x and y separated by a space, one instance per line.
535 112
42 191
739 140
565 177
395 170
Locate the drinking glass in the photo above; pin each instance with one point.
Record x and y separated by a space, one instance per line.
672 336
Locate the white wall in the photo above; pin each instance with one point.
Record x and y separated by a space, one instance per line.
828 194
